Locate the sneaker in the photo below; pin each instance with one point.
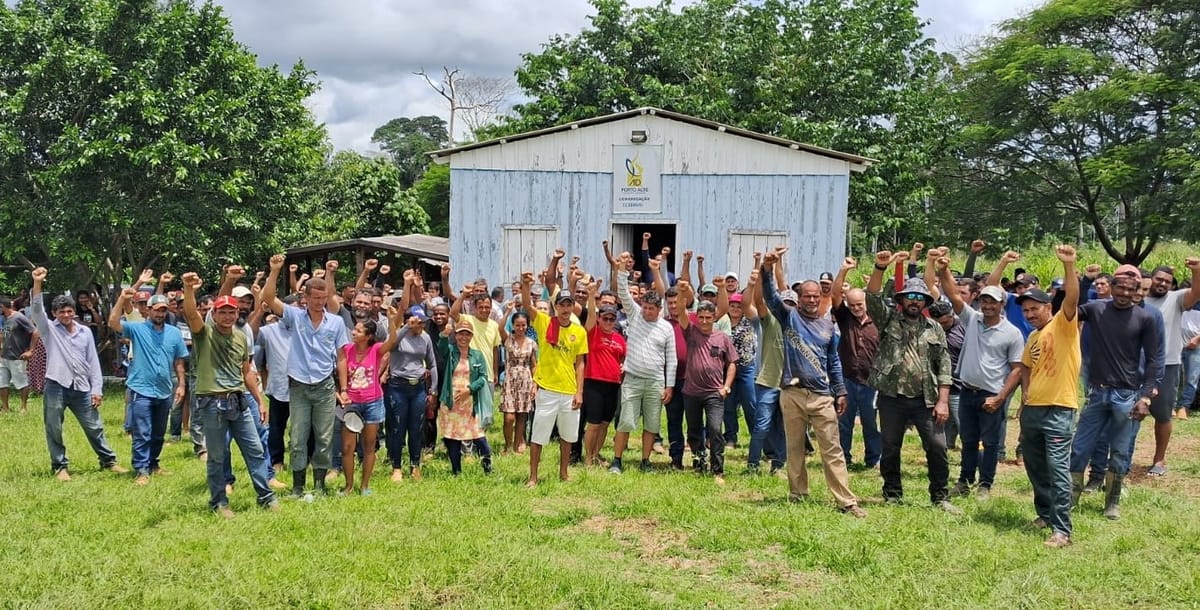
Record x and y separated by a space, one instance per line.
276 484
894 500
224 512
615 468
1181 413
948 508
117 469
159 471
645 467
1157 470
62 475
960 489
142 479
1057 541
983 494
854 511
1094 486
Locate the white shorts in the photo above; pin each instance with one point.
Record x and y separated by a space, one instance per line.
13 374
552 408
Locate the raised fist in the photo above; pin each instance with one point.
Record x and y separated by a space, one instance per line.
192 281
526 279
370 264
276 263
128 293
292 268
977 246
331 266
1011 257
147 276
1066 253
385 269
1192 263
166 276
236 272
559 253
849 263
38 274
646 236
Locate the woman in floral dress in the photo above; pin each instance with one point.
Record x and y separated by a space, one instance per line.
519 389
458 418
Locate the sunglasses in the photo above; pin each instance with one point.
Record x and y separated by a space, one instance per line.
608 318
915 296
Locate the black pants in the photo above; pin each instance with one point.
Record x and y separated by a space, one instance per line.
895 414
708 413
277 419
455 450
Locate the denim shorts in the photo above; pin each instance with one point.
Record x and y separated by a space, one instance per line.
372 412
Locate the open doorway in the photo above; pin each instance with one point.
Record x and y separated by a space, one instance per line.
628 237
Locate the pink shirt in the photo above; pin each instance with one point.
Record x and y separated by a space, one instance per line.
362 379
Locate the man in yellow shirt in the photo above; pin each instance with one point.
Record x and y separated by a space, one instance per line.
562 345
1050 377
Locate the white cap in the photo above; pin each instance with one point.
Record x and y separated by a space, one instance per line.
241 291
995 292
732 275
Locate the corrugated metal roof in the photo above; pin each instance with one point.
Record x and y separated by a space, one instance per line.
424 246
441 156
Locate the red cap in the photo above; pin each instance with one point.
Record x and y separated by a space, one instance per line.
225 301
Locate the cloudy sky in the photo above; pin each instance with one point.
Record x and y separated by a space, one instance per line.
365 52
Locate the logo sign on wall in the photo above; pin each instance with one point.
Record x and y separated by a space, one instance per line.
637 179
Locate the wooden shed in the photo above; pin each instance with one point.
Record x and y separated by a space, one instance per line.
721 191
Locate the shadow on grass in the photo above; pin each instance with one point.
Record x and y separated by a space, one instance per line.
1004 519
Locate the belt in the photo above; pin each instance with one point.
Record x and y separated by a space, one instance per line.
398 380
972 388
317 382
221 394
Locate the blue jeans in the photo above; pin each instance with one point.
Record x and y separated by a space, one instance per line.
405 420
54 405
740 393
860 402
1191 376
974 426
768 429
149 426
1105 416
264 436
246 434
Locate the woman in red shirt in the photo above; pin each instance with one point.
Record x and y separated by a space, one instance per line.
601 374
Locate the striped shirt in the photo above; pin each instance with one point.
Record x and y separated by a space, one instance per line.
650 345
71 358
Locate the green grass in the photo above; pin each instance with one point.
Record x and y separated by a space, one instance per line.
661 540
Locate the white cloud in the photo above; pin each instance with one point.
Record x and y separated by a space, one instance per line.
365 52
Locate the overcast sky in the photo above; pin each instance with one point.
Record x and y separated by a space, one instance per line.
365 52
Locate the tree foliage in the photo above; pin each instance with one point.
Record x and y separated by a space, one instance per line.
432 193
1086 111
408 140
860 77
139 132
354 196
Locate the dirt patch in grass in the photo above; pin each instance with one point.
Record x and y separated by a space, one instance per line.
765 578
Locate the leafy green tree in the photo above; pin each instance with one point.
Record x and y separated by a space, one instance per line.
353 196
432 193
860 77
1087 112
408 140
139 133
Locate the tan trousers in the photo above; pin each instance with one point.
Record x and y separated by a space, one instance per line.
801 407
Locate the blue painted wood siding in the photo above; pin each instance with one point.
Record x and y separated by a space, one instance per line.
707 208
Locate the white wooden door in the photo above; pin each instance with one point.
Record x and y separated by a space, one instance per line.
742 246
526 248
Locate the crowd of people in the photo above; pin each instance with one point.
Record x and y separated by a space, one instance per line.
322 379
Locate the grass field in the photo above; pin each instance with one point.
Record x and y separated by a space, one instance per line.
660 540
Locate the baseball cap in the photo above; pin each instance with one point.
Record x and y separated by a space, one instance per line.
993 291
607 310
1129 271
788 295
464 327
241 291
1027 279
143 295
735 298
416 311
225 301
709 289
1056 282
826 277
731 275
157 300
564 296
1036 295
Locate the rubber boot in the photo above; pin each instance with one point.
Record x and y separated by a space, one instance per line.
1076 488
1112 495
319 479
298 477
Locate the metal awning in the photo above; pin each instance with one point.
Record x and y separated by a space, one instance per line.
425 248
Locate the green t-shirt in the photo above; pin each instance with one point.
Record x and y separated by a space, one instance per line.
218 360
770 368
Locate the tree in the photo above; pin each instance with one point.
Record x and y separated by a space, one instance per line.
478 99
137 133
432 193
860 77
354 196
1088 111
408 140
